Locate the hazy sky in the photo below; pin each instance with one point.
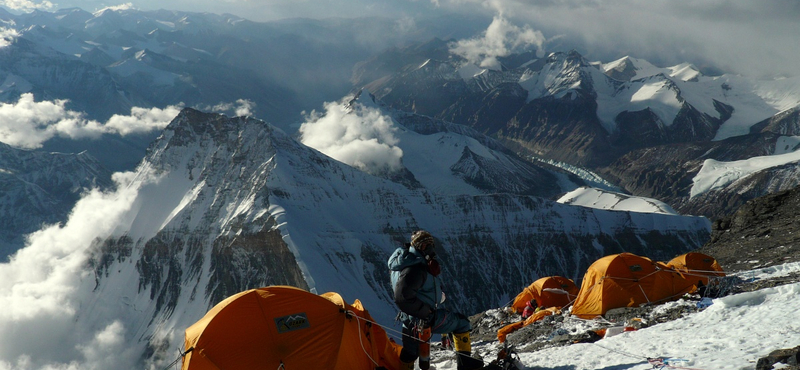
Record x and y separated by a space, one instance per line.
741 36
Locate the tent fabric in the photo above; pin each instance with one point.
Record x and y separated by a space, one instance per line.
549 291
276 326
626 280
697 266
508 329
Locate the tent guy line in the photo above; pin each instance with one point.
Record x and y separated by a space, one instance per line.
657 362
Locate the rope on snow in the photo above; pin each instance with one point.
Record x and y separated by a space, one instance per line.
656 362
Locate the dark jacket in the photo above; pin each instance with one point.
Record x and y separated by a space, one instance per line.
416 291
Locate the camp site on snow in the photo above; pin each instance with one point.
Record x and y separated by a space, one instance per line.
282 327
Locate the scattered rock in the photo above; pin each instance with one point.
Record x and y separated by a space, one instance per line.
789 358
563 329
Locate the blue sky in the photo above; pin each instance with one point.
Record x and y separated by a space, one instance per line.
757 38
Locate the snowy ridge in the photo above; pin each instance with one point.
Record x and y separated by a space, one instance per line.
603 199
561 75
716 175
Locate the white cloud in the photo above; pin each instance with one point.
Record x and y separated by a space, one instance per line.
44 285
358 135
124 6
27 5
141 120
108 348
7 36
242 107
28 123
501 38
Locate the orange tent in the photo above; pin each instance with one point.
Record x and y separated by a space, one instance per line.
696 268
287 328
510 328
550 291
626 280
695 263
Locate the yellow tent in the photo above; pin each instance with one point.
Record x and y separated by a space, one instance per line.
288 328
626 280
549 291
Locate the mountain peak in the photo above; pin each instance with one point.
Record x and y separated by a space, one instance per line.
621 69
573 56
197 122
685 72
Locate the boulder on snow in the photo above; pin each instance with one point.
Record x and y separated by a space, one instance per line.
790 357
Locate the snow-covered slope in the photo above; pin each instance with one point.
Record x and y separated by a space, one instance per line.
604 199
465 162
221 205
716 175
734 332
752 100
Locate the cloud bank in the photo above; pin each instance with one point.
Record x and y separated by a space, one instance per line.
28 123
357 135
43 286
756 39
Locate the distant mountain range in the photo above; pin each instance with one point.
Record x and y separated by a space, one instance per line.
107 62
644 128
38 188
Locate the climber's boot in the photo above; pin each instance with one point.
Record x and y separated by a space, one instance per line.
463 347
406 365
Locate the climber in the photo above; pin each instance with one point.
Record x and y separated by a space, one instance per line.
531 307
417 293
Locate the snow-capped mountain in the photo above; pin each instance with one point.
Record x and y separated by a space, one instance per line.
220 204
647 129
710 178
41 188
566 108
225 204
